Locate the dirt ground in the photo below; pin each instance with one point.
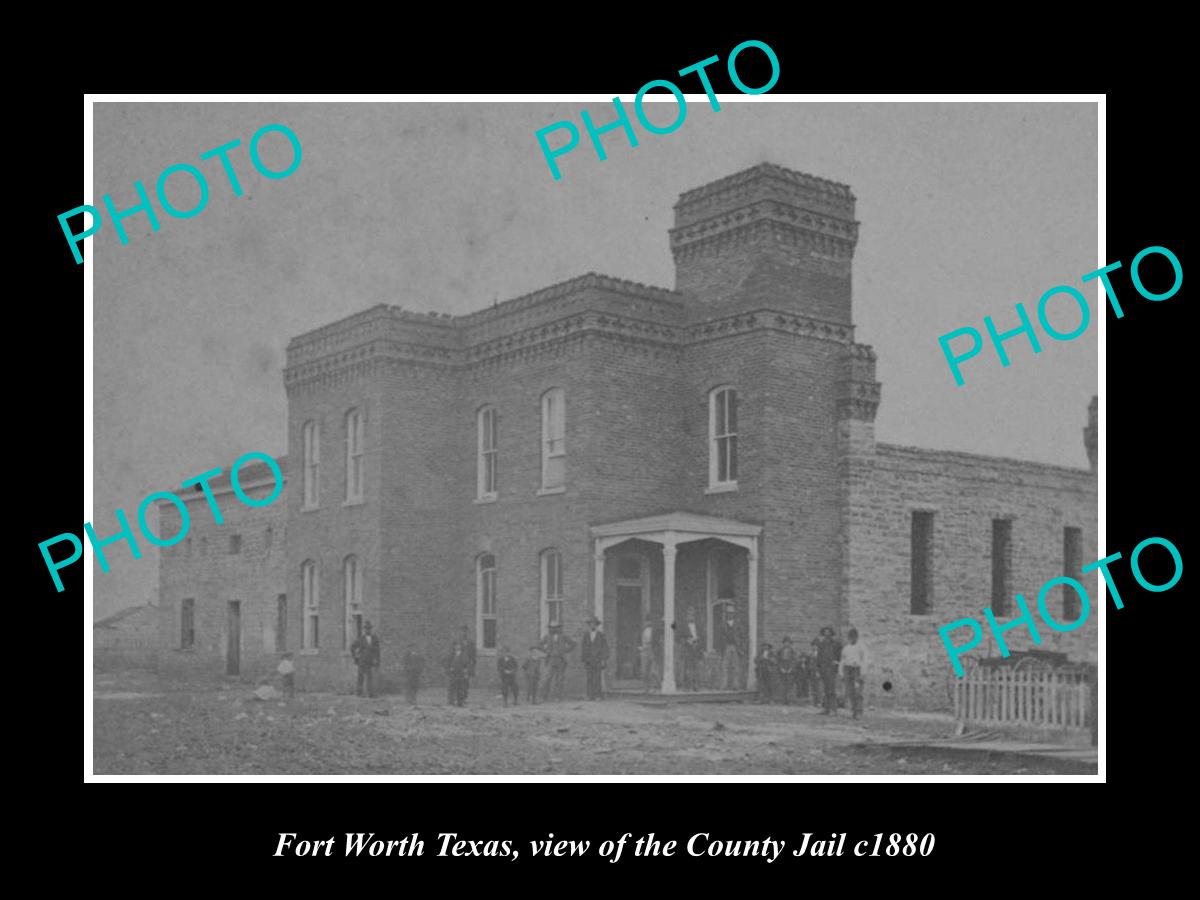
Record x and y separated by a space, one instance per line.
144 723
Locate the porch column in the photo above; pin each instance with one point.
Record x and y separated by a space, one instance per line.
668 673
598 583
752 603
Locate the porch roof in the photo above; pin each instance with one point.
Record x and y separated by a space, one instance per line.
693 525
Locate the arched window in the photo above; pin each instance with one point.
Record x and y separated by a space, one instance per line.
485 590
352 601
312 465
354 456
722 438
487 451
552 589
310 601
554 449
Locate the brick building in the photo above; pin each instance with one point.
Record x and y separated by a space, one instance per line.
605 447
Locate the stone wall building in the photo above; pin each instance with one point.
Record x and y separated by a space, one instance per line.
603 447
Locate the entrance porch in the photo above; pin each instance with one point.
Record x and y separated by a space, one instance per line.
691 579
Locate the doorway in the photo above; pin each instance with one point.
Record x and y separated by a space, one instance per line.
233 649
631 610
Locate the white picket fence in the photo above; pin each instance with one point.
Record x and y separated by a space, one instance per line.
1028 694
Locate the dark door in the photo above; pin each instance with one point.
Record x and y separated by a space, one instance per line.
629 622
233 651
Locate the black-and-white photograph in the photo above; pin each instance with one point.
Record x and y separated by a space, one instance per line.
744 449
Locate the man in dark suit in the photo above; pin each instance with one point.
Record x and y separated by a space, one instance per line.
460 668
731 640
594 650
690 652
556 646
365 651
829 651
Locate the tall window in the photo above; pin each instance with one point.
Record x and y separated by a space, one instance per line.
187 623
235 543
269 538
310 600
1072 564
723 437
354 460
312 465
486 472
486 601
554 450
281 618
352 598
1001 566
921 601
552 589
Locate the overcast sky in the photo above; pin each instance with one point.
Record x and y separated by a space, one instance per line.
966 209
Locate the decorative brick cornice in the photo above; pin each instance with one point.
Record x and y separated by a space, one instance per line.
858 392
767 179
842 234
634 289
774 320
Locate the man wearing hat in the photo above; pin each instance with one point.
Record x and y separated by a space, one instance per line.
460 667
365 652
829 651
786 659
594 650
556 646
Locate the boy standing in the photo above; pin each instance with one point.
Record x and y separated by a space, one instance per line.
506 665
788 660
764 670
287 674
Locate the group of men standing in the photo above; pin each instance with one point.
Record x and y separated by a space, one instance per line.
728 639
548 657
778 671
781 671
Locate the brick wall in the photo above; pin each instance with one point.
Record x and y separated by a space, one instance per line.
763 269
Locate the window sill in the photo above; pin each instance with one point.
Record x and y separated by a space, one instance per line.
357 501
547 491
484 651
310 651
309 508
486 498
722 488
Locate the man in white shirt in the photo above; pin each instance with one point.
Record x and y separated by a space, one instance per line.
854 664
649 653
